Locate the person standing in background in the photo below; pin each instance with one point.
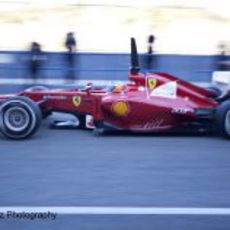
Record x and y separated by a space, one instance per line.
222 62
70 44
150 51
36 60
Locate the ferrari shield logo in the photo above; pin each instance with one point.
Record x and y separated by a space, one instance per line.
76 100
121 108
152 82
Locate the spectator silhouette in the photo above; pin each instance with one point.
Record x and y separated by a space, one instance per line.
70 44
150 51
222 59
36 60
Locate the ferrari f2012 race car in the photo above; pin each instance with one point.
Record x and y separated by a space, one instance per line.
150 102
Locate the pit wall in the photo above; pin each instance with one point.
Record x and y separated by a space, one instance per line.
107 66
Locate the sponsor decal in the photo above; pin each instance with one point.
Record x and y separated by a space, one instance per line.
152 82
120 108
181 110
76 100
86 100
58 97
154 124
167 90
150 125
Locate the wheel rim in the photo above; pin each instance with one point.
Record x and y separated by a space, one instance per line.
16 119
227 122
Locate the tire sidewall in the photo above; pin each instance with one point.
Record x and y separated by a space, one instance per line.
220 118
29 107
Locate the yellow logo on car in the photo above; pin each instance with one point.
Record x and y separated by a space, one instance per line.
152 82
121 108
76 100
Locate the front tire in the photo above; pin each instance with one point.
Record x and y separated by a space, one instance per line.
222 119
20 117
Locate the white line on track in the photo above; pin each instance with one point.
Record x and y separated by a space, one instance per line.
87 210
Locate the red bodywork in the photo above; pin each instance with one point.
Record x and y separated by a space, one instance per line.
131 106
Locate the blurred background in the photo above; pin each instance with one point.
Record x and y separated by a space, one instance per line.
189 39
180 26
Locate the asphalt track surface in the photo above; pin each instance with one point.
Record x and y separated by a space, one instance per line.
76 168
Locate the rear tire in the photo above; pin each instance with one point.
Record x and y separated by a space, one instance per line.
222 119
20 117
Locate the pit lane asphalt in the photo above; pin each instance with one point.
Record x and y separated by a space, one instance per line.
75 168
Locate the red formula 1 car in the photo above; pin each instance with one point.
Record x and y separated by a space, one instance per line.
150 102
